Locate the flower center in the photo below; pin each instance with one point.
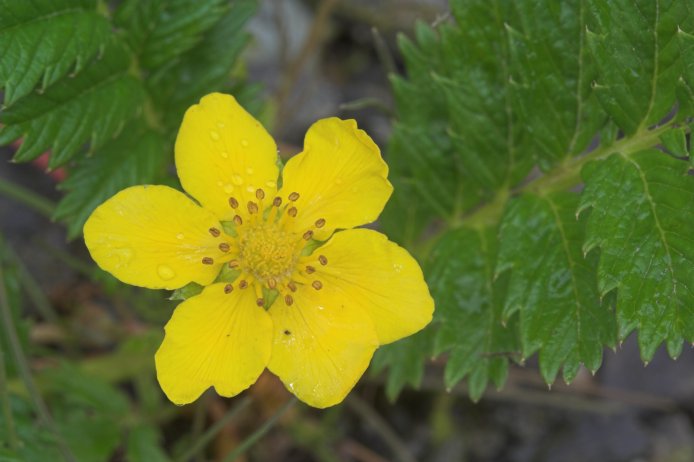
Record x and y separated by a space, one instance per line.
268 252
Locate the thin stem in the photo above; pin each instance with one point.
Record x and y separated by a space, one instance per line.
25 372
380 426
199 418
33 290
27 197
6 407
211 432
259 433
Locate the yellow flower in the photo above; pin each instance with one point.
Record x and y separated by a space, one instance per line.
335 303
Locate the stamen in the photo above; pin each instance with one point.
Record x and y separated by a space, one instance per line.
271 283
310 269
260 194
238 220
215 232
228 288
287 332
317 285
260 302
243 284
252 207
233 264
224 247
277 201
288 299
233 203
207 261
320 222
294 196
291 286
323 260
292 212
308 235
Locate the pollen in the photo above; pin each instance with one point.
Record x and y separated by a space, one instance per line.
268 252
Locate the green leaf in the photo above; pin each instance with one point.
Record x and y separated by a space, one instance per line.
137 156
675 141
90 108
634 45
187 291
42 40
641 221
552 286
144 445
404 360
469 303
551 78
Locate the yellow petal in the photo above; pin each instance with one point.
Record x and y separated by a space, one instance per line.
340 177
215 340
322 345
223 152
363 266
154 236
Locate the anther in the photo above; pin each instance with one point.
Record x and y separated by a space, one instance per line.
291 286
260 194
215 232
243 284
277 201
207 261
317 285
238 220
252 207
271 283
294 196
228 288
224 247
310 269
233 203
233 264
323 260
288 299
260 302
308 235
320 222
292 212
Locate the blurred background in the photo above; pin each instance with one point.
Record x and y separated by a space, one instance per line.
89 340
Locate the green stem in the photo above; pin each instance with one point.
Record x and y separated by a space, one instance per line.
33 290
27 197
201 443
259 433
6 407
25 372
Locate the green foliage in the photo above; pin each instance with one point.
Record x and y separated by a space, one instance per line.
104 91
529 145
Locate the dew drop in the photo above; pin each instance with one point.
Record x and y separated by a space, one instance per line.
224 154
228 188
250 188
220 124
237 180
179 236
249 170
165 272
124 255
220 184
214 135
397 267
338 180
271 184
244 143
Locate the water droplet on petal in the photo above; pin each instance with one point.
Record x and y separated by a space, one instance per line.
397 267
237 180
271 184
224 154
228 188
124 255
250 188
220 183
179 236
249 170
244 143
220 124
214 135
165 272
338 180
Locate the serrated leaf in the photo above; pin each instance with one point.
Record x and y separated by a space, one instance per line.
641 220
405 360
137 156
634 46
552 286
468 306
90 108
551 78
675 141
42 40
